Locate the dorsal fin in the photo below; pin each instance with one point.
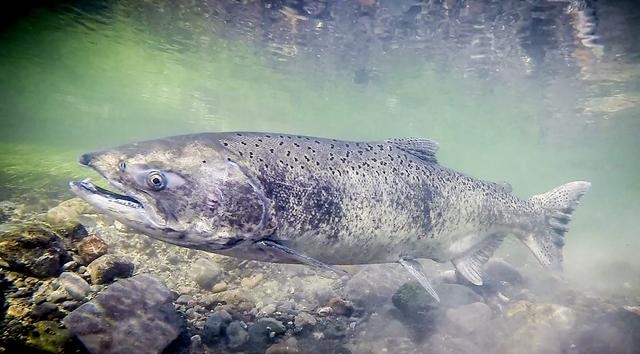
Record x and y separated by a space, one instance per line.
423 149
505 186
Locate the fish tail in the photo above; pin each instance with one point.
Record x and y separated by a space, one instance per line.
557 205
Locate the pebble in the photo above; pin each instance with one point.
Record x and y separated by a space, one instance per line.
325 311
268 325
18 310
69 266
215 325
219 287
237 335
252 282
90 248
69 305
45 310
469 318
184 299
206 273
263 332
267 310
196 346
41 293
109 266
58 295
75 286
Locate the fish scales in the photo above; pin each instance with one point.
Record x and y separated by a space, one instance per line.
340 197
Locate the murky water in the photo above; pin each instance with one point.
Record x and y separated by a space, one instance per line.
535 93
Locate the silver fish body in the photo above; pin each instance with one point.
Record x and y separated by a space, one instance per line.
287 198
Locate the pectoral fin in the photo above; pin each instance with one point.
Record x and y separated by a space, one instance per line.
415 269
285 254
470 265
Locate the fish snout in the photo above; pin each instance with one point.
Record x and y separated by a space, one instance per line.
85 159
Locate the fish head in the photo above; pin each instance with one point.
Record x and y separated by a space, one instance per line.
184 190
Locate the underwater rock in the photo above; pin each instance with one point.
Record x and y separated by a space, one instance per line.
615 332
290 346
75 286
237 335
68 212
215 326
49 337
266 328
58 295
17 308
90 248
534 338
341 307
219 287
132 315
108 267
499 270
32 249
552 315
7 209
235 298
469 318
196 346
304 320
375 283
45 311
206 273
267 310
264 332
252 281
412 300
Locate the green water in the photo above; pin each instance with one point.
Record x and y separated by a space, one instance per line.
72 82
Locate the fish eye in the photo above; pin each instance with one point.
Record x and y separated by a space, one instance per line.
156 180
122 166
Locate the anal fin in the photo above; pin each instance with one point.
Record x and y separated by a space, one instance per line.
415 269
284 253
470 265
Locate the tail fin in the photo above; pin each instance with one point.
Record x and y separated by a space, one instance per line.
558 205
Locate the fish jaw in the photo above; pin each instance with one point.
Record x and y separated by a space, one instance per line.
126 209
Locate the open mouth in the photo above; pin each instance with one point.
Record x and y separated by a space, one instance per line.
86 186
